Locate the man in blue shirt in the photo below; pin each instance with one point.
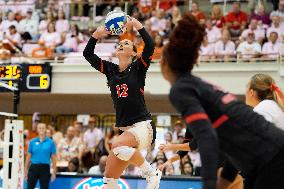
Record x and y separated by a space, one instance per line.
41 150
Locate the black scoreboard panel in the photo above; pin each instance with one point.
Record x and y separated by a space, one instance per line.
32 77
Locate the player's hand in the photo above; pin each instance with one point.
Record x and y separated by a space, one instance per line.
53 177
222 183
165 147
133 22
164 165
100 32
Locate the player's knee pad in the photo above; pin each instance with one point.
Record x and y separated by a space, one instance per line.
110 183
123 152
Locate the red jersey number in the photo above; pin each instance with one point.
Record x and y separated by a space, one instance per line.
122 90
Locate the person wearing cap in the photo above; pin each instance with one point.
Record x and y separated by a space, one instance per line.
249 48
28 27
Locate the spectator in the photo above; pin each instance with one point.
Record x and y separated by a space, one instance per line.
206 50
259 33
187 168
200 16
170 170
236 20
139 44
62 24
271 49
42 51
78 127
196 161
213 32
93 135
249 48
28 27
111 136
275 27
51 38
48 18
145 6
158 23
178 130
225 48
7 23
71 41
56 134
14 37
74 165
217 17
176 15
48 133
99 169
159 46
280 13
260 15
69 146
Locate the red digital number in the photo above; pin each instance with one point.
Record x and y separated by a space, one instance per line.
122 90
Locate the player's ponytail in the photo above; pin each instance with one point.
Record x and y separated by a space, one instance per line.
266 89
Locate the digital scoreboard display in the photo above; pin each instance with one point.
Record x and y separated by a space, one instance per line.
32 77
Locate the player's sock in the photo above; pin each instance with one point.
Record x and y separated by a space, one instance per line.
110 183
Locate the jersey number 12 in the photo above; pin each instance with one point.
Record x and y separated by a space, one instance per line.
122 90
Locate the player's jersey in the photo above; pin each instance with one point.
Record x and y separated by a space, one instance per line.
127 87
218 120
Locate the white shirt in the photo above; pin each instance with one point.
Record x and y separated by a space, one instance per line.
51 39
224 49
272 50
7 23
92 138
270 110
207 50
28 25
16 38
249 49
258 33
95 170
62 26
214 34
195 158
71 42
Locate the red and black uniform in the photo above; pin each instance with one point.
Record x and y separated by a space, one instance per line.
218 121
127 87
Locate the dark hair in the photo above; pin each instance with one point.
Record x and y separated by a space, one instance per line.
12 27
181 53
75 161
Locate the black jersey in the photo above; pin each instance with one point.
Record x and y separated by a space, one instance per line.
218 121
127 87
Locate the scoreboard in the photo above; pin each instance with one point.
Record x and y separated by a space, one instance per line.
32 77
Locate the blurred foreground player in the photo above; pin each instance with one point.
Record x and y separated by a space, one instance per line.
126 82
218 121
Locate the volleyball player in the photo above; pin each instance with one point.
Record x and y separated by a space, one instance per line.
126 82
266 98
218 121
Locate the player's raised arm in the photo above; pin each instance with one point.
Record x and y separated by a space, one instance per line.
149 43
88 53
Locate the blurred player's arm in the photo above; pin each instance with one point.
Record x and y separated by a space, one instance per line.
228 175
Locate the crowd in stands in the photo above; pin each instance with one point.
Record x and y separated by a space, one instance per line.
55 27
84 149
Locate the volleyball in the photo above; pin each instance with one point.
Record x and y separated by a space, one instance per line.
115 21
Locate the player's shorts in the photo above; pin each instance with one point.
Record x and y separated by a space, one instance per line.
144 133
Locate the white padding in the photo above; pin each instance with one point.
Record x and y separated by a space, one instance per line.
124 152
110 183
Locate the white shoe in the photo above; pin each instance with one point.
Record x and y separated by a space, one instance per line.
153 179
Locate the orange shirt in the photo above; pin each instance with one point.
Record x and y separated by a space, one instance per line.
199 16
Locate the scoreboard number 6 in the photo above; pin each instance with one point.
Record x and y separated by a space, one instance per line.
43 82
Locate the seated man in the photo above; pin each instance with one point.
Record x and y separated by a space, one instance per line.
249 48
271 49
225 48
236 20
259 33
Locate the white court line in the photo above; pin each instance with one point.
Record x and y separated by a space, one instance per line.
8 114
